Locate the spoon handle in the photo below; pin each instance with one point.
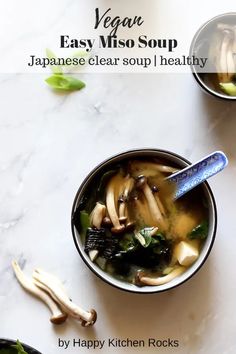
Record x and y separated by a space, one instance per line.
197 173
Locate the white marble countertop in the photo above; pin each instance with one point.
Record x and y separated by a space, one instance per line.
49 143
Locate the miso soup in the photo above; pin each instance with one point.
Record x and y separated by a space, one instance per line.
133 229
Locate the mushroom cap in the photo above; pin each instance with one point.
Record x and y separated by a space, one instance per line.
107 221
59 319
92 321
118 230
141 181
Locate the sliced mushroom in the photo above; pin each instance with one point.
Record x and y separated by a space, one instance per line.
144 280
114 186
152 204
44 281
58 316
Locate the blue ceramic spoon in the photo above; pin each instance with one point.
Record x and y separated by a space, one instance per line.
191 176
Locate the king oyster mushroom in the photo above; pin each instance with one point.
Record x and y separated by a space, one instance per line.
54 288
58 316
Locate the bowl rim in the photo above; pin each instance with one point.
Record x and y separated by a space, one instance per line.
93 268
5 342
206 88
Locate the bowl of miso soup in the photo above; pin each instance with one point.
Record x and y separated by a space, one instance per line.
215 44
131 231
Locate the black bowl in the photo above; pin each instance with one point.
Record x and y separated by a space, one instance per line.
7 343
200 48
175 160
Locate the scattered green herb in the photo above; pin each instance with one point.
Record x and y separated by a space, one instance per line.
64 82
60 81
56 69
199 232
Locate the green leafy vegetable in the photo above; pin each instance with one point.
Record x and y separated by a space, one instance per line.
64 82
229 88
59 81
84 223
146 237
19 348
128 243
14 349
56 69
199 232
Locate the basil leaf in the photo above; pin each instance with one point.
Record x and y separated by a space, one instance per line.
56 69
199 232
64 83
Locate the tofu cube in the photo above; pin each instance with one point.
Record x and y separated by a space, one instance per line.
186 252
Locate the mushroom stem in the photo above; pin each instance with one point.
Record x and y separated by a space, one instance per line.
128 186
97 215
159 204
44 281
96 218
226 67
153 207
143 213
58 316
122 209
161 280
111 203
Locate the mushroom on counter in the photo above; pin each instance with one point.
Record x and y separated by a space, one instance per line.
51 291
45 282
58 316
